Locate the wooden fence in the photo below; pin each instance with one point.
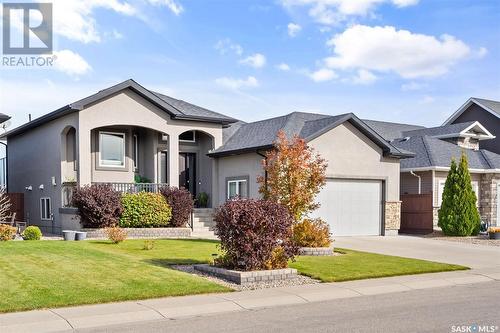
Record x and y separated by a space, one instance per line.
17 205
416 213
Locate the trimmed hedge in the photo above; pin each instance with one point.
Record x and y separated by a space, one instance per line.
32 233
254 234
312 233
144 210
99 205
182 204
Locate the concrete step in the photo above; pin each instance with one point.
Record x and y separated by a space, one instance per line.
200 229
204 236
203 218
203 210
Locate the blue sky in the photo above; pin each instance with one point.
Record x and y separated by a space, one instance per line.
395 60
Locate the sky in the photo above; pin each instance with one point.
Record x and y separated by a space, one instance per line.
404 61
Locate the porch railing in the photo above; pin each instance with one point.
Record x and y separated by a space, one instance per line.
136 187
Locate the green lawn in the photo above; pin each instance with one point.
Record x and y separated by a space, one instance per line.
44 274
355 265
41 274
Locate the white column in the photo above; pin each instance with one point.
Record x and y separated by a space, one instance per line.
173 159
215 173
84 156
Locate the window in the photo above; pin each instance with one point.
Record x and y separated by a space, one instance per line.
136 151
237 187
112 149
188 136
440 191
45 209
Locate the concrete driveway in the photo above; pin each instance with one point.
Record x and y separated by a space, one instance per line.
473 256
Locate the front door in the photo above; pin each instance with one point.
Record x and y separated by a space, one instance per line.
187 172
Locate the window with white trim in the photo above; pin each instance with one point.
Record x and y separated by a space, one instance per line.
188 136
237 188
440 191
112 149
45 209
136 152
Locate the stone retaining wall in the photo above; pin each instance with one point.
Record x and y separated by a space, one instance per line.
137 233
316 251
249 277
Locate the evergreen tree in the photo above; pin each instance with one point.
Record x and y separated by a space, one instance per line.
458 215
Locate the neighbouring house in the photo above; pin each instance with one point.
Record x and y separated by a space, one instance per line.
486 112
127 131
426 172
3 164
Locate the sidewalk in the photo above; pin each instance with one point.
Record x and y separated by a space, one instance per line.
99 315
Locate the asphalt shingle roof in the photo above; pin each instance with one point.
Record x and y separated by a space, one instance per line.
431 152
440 130
390 131
492 105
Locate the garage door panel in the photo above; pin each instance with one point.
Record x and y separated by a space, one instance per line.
351 207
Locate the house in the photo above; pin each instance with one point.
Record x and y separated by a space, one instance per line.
127 131
3 165
434 148
486 112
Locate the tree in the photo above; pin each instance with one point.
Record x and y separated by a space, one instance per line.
458 215
294 175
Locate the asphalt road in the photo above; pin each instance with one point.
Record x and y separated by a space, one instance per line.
469 308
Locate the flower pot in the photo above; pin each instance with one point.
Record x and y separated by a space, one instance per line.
494 235
69 235
80 235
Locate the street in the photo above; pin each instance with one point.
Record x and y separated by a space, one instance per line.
467 308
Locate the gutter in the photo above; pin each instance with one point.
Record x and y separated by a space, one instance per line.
419 181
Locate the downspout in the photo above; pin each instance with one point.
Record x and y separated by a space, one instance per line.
265 172
6 167
419 181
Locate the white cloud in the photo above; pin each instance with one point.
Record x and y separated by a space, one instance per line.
427 100
323 74
175 7
283 67
257 60
333 12
232 83
364 77
226 45
412 86
386 49
481 52
70 63
293 29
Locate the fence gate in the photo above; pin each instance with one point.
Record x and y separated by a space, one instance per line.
17 205
416 213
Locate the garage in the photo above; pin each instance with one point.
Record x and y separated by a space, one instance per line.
351 207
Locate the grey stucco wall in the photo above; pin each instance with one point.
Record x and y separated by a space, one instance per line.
33 159
491 122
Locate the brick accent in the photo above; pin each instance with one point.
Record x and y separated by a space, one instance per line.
392 215
316 251
138 233
488 197
241 277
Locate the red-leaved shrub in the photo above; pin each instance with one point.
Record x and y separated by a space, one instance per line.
99 205
255 234
181 201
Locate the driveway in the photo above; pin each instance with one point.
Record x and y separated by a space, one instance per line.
473 256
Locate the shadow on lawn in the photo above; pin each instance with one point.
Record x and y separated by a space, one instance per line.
167 262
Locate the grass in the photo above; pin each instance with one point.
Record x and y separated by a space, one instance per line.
355 265
45 274
42 274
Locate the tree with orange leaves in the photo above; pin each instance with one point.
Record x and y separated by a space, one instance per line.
294 175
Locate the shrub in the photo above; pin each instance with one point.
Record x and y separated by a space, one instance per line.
312 233
98 205
202 199
181 202
7 232
458 215
32 233
251 230
149 244
116 234
145 210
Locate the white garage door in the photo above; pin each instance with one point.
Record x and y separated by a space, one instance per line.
351 207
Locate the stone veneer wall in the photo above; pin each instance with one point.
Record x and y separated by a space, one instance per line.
488 197
392 217
152 233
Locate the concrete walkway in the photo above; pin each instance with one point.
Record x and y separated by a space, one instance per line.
101 315
470 255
